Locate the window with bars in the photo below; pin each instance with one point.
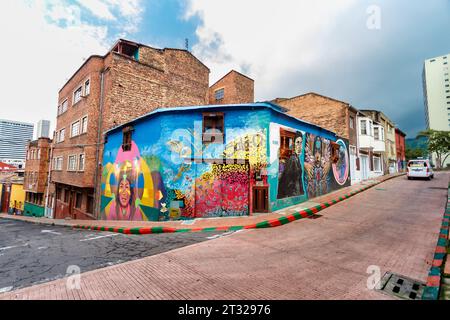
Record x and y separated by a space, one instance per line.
75 129
219 94
77 95
72 163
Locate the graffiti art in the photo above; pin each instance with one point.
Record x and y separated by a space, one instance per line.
341 168
317 165
290 176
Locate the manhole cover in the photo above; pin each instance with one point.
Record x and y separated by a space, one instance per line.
380 189
401 287
315 216
437 188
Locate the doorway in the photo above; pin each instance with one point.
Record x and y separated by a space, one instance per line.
261 199
364 167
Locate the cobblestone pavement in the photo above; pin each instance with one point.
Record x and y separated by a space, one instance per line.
394 225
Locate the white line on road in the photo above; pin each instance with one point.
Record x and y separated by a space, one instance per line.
50 231
12 247
99 237
221 235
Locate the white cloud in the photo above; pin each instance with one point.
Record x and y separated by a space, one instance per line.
267 39
44 43
97 8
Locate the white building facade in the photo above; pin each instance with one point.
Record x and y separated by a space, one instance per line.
436 91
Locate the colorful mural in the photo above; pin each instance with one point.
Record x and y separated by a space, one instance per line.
131 191
290 173
171 174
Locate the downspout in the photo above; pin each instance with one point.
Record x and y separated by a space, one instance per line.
97 147
48 182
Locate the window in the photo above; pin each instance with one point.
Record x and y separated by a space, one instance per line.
59 110
78 200
39 154
64 106
61 136
213 128
364 127
87 87
57 163
376 133
376 164
90 204
219 94
72 164
352 123
81 162
286 143
126 142
75 129
77 95
84 123
382 133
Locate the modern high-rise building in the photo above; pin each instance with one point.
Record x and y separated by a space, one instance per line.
14 137
43 129
436 91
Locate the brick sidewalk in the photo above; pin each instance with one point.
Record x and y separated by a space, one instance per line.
201 223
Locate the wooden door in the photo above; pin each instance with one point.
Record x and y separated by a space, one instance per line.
261 199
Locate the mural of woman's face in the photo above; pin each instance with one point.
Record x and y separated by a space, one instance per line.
298 145
124 193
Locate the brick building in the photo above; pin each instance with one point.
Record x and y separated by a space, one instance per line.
331 114
234 87
36 176
132 79
400 146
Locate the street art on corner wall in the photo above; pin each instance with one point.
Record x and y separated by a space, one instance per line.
164 180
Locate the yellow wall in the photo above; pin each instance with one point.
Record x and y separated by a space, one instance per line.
17 194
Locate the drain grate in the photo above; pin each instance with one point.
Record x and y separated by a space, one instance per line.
315 216
401 287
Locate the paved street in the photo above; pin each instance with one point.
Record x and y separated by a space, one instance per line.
31 254
394 225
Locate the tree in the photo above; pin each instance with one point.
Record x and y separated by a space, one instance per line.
414 153
438 143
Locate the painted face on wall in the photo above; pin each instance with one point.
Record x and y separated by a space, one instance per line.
124 192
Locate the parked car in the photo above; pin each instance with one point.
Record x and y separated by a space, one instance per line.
419 168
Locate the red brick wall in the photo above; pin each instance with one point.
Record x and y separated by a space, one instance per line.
327 113
237 89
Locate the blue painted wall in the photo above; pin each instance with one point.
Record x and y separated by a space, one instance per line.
169 174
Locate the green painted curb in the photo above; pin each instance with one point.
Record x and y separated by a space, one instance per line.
260 225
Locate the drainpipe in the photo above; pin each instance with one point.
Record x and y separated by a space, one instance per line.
48 182
97 147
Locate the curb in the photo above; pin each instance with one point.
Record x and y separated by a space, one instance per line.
431 291
263 224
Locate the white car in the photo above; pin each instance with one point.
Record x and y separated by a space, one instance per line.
419 168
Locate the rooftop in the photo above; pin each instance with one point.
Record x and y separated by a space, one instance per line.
257 105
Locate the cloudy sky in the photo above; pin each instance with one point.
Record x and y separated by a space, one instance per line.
368 53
